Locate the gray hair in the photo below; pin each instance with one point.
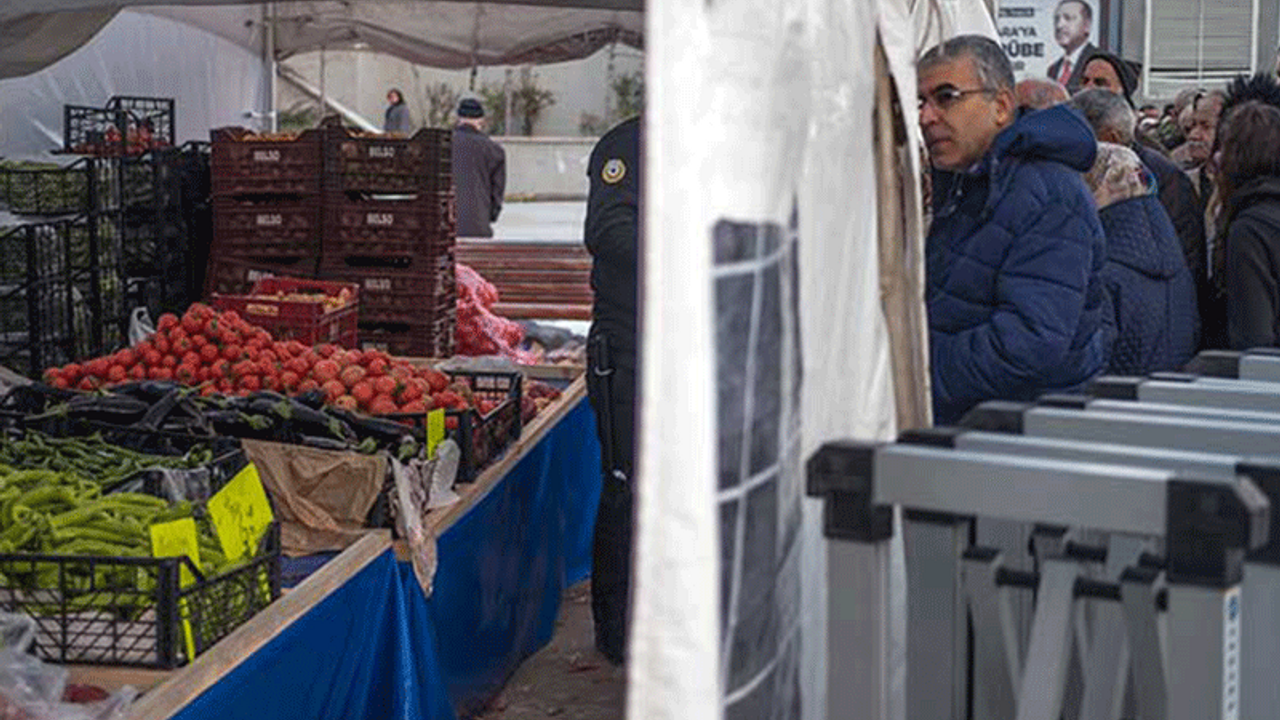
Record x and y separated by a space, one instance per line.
1105 110
989 60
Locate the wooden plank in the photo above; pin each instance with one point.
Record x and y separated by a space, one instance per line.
438 521
180 689
542 311
112 679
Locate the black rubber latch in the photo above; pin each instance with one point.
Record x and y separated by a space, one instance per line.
1115 387
1065 401
997 416
942 437
842 474
1210 527
1216 363
1174 377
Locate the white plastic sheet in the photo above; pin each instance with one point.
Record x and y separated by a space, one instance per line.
760 119
213 81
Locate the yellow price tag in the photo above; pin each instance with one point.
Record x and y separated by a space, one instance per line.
435 430
176 539
241 514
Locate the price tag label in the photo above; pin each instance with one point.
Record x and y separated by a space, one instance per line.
241 514
176 539
435 430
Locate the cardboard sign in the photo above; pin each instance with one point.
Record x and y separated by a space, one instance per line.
241 514
176 539
435 430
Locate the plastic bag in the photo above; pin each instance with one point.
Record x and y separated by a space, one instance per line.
141 326
479 330
30 689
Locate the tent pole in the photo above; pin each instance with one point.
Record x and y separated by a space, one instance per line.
324 97
269 64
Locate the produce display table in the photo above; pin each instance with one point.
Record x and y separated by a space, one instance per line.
360 638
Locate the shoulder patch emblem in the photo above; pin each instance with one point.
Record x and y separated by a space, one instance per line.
613 172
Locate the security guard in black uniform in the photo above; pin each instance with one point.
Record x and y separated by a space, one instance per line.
612 237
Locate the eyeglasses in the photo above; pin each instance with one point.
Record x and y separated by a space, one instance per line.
947 97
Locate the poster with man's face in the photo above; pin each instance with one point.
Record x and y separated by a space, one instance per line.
1038 33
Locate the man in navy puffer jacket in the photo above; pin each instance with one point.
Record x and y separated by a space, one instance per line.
1015 253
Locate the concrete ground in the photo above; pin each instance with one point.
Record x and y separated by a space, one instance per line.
567 679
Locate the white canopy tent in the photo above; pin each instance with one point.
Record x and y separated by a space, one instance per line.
769 120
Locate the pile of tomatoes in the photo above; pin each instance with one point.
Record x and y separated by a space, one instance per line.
220 353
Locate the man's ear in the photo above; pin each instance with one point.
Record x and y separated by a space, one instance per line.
1006 107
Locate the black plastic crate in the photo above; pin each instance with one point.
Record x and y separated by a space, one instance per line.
132 610
86 185
126 126
482 437
61 293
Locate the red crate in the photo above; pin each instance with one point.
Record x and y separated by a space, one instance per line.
236 275
307 321
356 161
381 226
245 163
428 339
402 298
267 225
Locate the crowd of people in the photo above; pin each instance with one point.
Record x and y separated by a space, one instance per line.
1074 233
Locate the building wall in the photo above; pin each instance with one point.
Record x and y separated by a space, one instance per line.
361 80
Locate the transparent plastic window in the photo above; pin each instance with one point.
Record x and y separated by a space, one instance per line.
480 331
31 689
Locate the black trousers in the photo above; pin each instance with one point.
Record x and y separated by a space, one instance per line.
611 387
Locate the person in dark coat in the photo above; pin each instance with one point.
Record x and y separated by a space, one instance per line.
397 115
611 234
1152 293
1105 72
1015 297
1250 183
479 172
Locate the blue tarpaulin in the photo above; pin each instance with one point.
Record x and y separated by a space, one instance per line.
377 648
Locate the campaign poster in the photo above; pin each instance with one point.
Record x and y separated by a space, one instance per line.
1036 34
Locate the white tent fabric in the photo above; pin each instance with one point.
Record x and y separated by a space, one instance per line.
213 81
439 34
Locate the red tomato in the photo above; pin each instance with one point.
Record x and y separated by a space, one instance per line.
414 406
351 375
438 380
252 383
308 385
325 370
363 392
268 355
182 346
197 341
383 405
244 367
289 379
72 372
333 389
161 344
231 317
377 366
151 358
164 373
52 374
167 321
88 383
154 371
346 402
386 385
176 333
138 372
126 357
97 367
229 352
327 350
211 328
192 323
208 390
60 382
169 361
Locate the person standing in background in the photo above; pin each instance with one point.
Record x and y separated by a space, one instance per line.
1072 22
479 172
397 116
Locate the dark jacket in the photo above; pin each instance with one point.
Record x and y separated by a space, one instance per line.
1253 265
613 221
1073 83
397 119
1182 203
1015 296
1152 293
480 179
